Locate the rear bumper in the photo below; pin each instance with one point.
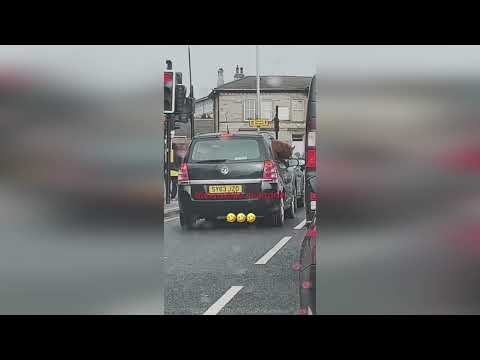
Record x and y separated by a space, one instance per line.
261 207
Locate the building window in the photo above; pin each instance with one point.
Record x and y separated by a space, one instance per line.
283 113
249 109
298 110
297 137
267 110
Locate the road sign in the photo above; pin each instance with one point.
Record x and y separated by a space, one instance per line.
259 123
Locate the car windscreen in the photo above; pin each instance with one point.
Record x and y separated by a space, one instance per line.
225 150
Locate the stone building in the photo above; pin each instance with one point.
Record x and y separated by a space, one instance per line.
204 108
234 104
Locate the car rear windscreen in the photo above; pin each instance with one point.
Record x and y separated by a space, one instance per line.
225 150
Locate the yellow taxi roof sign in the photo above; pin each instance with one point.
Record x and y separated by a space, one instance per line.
259 123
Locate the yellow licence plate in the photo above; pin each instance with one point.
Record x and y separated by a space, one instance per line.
225 189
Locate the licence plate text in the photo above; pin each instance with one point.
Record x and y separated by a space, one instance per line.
225 189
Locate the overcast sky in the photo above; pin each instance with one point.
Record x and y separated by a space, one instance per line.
137 66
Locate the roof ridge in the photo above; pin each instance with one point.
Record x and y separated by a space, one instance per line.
284 82
249 76
231 82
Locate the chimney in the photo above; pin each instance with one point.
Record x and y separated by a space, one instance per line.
241 73
220 81
237 75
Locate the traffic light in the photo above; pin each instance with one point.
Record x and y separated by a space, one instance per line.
179 78
180 96
169 92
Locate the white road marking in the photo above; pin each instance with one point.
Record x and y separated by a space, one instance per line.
224 300
171 219
301 225
265 258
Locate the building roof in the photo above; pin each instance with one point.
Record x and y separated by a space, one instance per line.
202 99
273 83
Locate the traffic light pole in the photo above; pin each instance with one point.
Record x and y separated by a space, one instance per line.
176 112
192 114
168 127
258 111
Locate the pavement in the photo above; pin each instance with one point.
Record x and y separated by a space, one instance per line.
171 209
225 269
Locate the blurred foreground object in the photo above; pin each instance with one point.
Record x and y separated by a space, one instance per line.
398 158
81 194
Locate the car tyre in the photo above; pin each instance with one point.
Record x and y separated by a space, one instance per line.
278 218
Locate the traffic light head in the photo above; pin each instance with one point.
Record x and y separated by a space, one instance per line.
179 78
180 96
169 92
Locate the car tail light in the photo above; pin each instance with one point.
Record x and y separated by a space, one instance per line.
313 196
270 173
183 174
307 285
311 158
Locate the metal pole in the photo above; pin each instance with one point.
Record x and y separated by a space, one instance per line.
258 111
169 142
192 115
276 123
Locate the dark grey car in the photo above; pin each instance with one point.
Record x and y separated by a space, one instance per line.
233 173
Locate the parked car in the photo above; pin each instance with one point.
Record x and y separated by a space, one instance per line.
235 173
298 174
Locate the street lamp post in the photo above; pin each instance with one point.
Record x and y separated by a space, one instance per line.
258 112
192 101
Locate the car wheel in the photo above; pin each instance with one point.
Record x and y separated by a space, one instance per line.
278 218
291 210
186 221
